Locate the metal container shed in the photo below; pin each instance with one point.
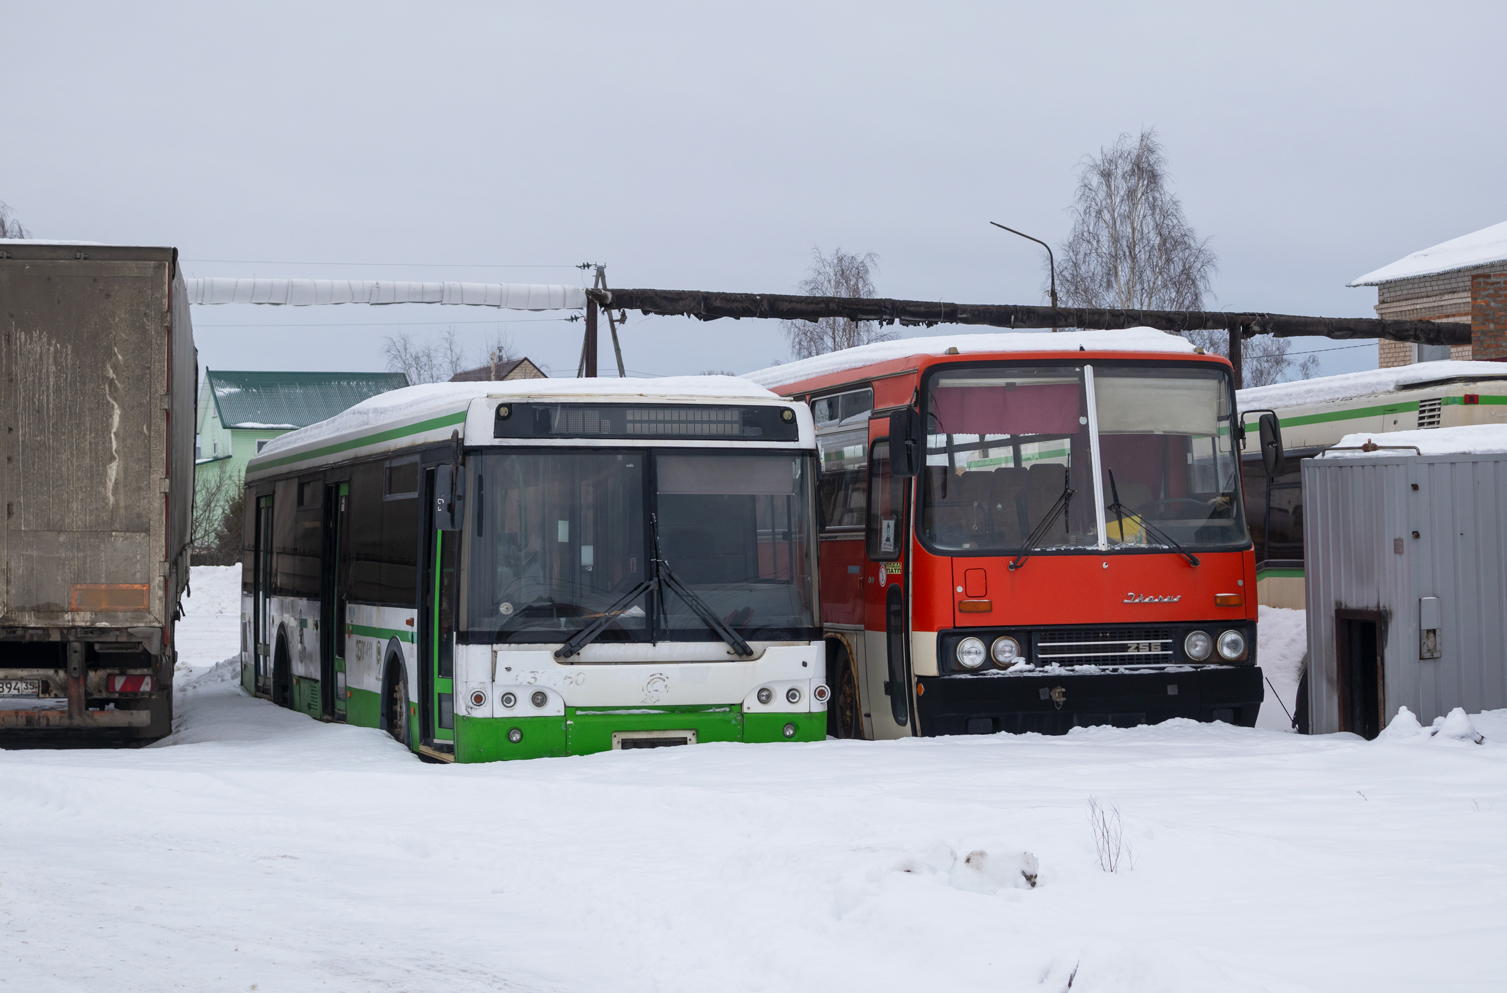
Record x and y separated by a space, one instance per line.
1407 577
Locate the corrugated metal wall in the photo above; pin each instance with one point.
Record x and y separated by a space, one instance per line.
1362 515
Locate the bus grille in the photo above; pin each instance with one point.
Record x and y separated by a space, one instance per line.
1105 646
1429 412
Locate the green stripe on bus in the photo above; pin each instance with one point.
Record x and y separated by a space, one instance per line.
392 434
1377 411
362 631
1278 574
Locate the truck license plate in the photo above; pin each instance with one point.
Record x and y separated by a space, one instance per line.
18 687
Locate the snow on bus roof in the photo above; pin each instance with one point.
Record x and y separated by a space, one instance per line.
1327 389
415 402
1129 340
1467 439
1478 248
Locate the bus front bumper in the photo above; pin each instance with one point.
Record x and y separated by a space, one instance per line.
1055 703
585 730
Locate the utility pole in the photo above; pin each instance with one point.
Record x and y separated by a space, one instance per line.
1237 355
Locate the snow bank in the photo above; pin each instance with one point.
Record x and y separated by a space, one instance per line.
260 848
1467 251
1326 389
1281 644
414 402
1453 728
211 626
967 343
1467 439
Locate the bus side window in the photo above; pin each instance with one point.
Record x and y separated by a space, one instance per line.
886 506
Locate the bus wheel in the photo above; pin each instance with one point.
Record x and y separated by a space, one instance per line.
282 675
397 703
843 717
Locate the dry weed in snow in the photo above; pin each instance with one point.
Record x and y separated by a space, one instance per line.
1110 845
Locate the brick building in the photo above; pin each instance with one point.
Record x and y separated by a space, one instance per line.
1463 280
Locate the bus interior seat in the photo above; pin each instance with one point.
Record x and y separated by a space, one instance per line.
1006 487
1045 482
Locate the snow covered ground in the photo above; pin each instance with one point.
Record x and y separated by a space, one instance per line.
260 850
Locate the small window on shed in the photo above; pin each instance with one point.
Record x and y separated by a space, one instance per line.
261 444
401 479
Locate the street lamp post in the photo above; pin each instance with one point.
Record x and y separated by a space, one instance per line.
1051 262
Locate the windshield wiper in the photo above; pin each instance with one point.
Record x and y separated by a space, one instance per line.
661 579
1034 541
1121 513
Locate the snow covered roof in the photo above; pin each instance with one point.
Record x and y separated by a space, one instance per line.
1478 248
1128 340
285 400
1326 389
418 402
1467 439
323 292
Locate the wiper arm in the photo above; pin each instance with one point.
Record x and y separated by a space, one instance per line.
672 582
1146 526
588 634
667 579
1034 541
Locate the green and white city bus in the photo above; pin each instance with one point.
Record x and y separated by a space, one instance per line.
1316 413
542 567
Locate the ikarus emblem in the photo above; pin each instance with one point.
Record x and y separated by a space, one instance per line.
1151 598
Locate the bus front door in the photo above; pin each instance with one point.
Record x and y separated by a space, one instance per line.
885 630
437 609
332 689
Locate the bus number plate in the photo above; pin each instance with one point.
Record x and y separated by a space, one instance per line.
18 687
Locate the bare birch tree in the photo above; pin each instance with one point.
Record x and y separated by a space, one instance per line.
840 274
1132 249
9 226
438 360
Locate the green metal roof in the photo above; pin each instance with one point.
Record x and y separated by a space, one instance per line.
287 400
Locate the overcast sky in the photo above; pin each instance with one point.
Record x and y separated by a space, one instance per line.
714 146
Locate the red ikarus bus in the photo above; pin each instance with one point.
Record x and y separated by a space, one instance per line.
1030 532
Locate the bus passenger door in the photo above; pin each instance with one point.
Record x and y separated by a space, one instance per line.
885 603
262 584
437 608
332 691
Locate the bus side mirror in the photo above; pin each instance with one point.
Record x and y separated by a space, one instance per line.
905 443
446 500
1271 444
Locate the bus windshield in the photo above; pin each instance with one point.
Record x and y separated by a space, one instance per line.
1009 456
556 537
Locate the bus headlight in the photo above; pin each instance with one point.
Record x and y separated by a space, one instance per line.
765 695
970 653
1198 645
540 698
1006 651
515 735
793 695
509 701
790 730
1231 645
